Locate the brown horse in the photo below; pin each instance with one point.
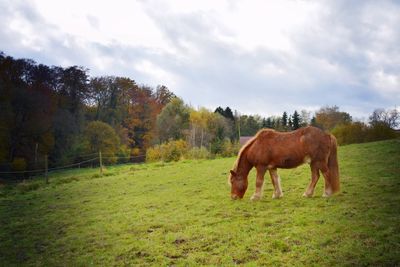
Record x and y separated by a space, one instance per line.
269 150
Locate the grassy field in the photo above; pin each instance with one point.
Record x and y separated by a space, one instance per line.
181 214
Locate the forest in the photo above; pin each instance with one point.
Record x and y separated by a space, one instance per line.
66 115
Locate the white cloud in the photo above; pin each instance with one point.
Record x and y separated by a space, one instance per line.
271 69
256 56
387 83
156 74
123 21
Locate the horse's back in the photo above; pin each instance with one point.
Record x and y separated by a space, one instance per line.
289 149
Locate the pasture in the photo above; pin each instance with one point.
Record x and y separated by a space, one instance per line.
181 214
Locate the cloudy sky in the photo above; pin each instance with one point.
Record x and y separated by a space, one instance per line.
261 57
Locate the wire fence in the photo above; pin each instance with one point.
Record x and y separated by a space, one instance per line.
95 160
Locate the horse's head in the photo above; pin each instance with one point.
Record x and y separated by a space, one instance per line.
238 185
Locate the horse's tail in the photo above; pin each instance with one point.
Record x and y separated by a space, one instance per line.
333 166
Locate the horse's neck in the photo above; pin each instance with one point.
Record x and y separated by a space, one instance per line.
244 167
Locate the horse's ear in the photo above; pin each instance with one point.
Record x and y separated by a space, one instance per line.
233 173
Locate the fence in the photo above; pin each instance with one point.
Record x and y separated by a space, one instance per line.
97 159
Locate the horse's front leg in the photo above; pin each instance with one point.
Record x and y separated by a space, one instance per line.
276 182
259 182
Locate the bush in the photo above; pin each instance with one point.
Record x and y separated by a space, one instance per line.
123 154
170 151
358 132
230 149
18 164
176 150
225 148
198 153
173 150
350 133
380 131
153 154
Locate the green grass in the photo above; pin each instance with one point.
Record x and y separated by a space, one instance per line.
181 214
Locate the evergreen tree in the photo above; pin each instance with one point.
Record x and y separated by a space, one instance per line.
284 119
268 123
228 114
313 121
220 111
290 125
296 120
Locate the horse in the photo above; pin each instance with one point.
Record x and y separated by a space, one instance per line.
270 150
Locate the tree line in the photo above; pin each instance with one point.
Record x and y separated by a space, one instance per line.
65 114
68 115
382 124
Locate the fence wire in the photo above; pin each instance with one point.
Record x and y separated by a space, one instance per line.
78 164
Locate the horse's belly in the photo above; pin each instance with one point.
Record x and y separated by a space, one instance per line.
289 162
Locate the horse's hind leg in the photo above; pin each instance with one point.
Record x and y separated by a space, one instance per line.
259 182
276 182
314 179
328 187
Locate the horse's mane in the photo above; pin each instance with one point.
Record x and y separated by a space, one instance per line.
246 146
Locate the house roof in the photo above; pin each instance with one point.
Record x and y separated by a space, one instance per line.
244 139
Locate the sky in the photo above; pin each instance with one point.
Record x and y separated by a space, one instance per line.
257 57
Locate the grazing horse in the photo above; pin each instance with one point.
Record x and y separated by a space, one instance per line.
269 150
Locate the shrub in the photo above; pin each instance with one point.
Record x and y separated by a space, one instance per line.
170 151
358 132
225 148
176 150
216 146
380 131
18 164
123 154
153 154
230 149
173 150
350 133
198 153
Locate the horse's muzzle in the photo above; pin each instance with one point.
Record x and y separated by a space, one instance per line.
234 197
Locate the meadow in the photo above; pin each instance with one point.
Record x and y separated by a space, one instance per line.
181 214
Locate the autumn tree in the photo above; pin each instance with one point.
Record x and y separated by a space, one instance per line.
173 120
391 118
305 118
69 120
100 136
162 97
198 127
329 117
27 104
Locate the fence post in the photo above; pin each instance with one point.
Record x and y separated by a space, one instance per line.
101 163
46 169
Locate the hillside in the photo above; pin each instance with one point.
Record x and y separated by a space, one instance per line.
181 214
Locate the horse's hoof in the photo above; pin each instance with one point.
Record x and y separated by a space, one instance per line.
326 195
277 196
307 195
255 198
